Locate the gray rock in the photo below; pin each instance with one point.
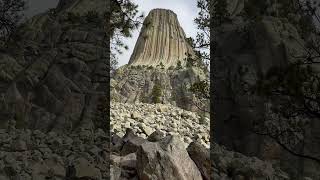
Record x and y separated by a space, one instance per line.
132 143
147 130
201 156
117 143
115 173
135 115
19 145
156 136
164 160
43 80
83 169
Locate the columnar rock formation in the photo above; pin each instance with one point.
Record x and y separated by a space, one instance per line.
155 62
161 40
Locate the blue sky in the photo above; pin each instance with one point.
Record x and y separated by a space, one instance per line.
186 11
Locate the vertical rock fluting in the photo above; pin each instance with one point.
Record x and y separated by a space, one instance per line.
161 39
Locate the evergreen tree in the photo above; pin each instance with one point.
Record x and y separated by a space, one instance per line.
179 66
156 93
161 65
123 19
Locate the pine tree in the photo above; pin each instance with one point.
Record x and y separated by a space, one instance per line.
156 93
179 66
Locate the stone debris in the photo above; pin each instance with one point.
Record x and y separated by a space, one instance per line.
167 158
30 155
146 119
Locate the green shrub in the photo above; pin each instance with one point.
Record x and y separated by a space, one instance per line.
161 65
190 61
179 66
156 93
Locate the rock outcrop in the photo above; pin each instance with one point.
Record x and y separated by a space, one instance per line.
161 40
49 77
133 84
158 67
167 158
262 44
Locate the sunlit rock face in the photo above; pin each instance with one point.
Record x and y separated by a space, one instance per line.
161 39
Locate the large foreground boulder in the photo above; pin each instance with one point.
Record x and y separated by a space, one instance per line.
201 156
166 159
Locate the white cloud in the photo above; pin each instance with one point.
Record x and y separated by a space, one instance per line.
186 11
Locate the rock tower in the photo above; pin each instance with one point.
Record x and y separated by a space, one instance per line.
161 39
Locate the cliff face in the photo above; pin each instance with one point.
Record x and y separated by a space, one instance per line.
45 80
132 84
161 40
269 42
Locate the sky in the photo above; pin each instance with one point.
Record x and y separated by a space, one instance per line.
186 11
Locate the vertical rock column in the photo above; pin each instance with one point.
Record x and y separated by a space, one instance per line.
161 39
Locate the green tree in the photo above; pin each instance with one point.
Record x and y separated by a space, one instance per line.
211 14
179 66
156 93
161 65
190 61
123 18
202 91
201 44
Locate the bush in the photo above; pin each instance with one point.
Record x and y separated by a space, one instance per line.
190 61
156 93
179 66
161 65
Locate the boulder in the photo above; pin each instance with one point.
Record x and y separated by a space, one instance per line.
156 136
166 159
132 143
201 156
82 168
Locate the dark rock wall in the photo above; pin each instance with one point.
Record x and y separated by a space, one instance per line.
49 77
245 51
